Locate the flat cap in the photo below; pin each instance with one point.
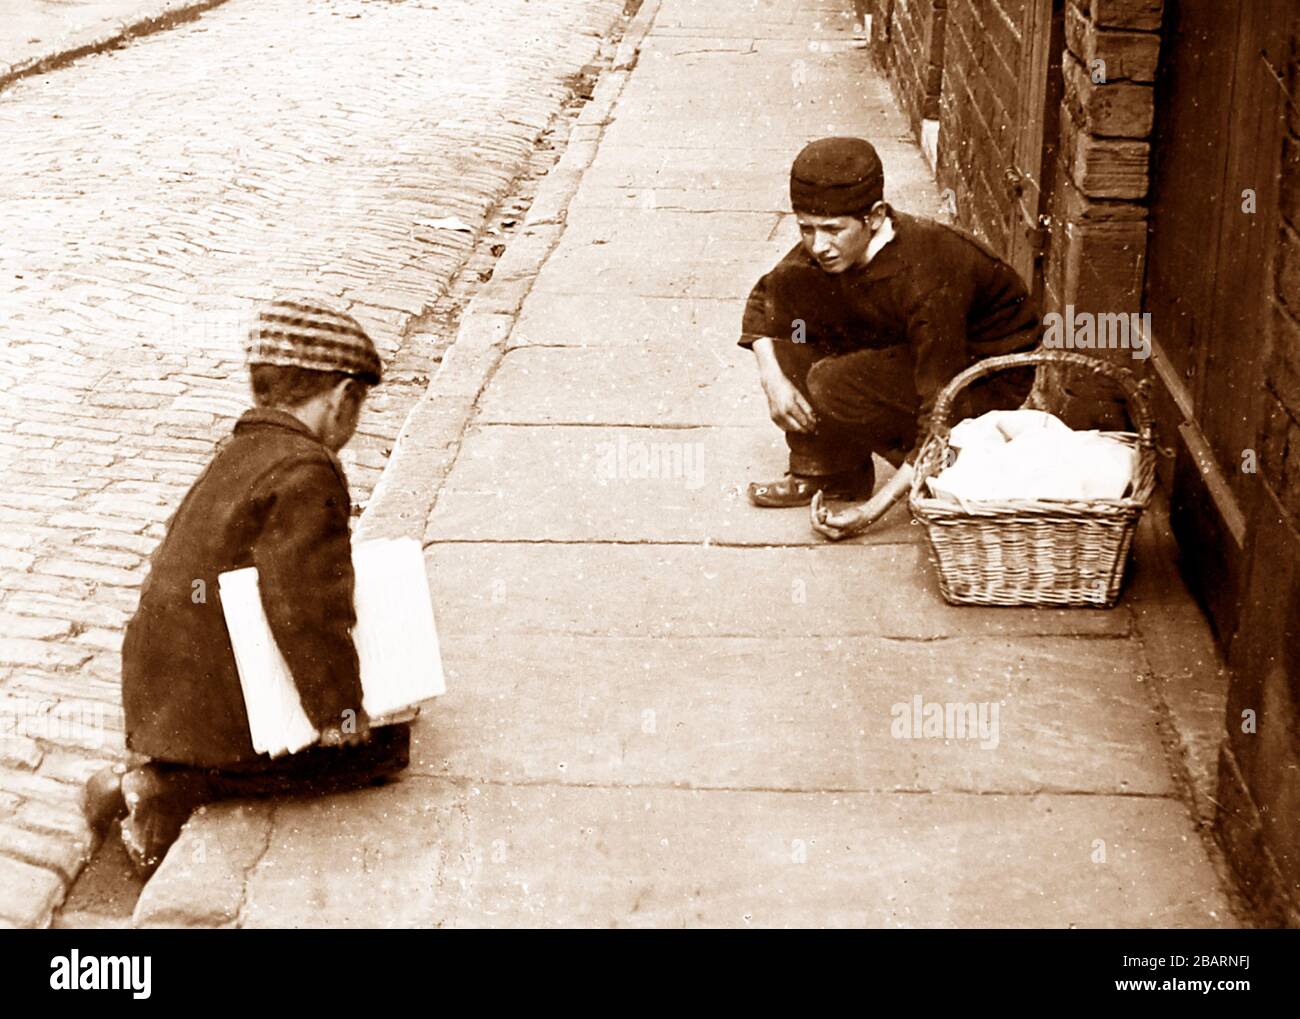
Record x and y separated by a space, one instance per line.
836 177
308 332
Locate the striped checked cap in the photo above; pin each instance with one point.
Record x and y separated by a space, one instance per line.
306 332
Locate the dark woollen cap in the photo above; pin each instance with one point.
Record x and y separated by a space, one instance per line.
836 177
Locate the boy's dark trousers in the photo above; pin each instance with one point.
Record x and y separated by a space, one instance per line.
866 402
313 771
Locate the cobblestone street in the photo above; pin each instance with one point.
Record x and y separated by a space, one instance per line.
148 196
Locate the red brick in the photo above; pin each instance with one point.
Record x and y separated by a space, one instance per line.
1113 109
1102 265
1139 14
1105 167
1131 56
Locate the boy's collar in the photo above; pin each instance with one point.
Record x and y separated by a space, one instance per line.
882 237
273 416
883 258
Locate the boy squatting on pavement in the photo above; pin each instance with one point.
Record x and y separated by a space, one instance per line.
275 497
861 325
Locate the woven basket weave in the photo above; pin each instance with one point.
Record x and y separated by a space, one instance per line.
1034 551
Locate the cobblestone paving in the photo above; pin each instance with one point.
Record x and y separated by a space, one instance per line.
36 29
149 196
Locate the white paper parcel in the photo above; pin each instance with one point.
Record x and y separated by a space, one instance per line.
397 644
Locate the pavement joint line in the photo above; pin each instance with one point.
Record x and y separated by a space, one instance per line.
838 790
657 543
642 426
826 635
949 638
168 15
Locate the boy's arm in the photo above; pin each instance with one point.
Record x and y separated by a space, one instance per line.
936 330
760 327
304 563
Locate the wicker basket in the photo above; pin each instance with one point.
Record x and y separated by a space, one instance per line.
1034 552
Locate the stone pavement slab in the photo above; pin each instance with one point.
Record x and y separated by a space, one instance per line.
684 230
698 385
652 484
795 714
697 590
467 854
722 270
622 320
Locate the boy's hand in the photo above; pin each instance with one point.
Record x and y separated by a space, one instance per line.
844 524
856 519
787 406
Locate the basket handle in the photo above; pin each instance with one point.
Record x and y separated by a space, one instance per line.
1133 389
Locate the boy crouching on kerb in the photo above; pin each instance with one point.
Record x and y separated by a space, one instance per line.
274 497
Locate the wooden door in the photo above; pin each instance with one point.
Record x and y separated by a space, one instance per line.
1219 118
999 106
1025 175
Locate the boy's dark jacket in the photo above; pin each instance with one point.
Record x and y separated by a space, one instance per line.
276 498
933 287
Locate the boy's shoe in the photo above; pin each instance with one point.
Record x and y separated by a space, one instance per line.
102 801
158 803
799 489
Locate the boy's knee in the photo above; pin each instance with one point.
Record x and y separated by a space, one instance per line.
826 391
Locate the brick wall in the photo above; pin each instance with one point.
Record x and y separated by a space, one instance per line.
1259 775
977 109
907 42
1097 215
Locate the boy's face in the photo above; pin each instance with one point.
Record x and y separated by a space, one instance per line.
838 242
344 411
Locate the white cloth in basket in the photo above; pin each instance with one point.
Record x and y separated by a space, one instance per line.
1029 455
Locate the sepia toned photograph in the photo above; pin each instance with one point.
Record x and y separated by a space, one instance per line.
661 464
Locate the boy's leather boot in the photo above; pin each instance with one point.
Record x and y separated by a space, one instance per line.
799 489
159 800
102 801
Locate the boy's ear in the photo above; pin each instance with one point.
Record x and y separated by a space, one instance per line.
341 392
